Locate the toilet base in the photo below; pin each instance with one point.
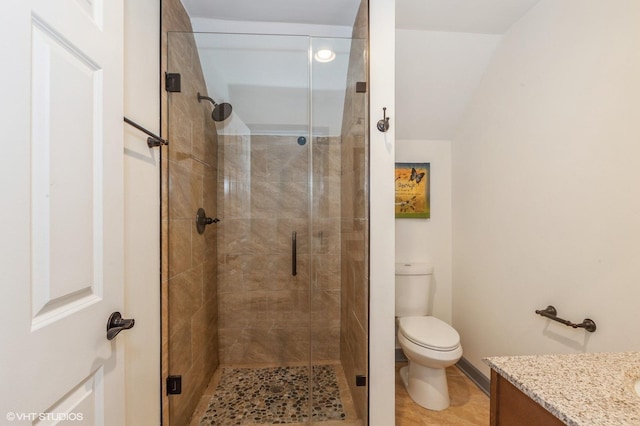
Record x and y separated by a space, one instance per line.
426 386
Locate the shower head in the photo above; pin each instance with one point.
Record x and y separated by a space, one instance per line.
220 111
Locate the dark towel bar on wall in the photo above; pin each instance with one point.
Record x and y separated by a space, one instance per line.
152 140
551 313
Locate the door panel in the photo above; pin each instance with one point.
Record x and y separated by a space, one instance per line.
84 403
66 99
61 180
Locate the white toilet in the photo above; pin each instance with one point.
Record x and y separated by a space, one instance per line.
430 344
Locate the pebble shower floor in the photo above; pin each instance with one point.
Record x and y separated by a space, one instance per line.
276 395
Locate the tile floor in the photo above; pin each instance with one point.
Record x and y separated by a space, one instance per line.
469 405
275 395
204 416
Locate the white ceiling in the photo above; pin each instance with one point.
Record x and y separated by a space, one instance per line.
465 16
316 12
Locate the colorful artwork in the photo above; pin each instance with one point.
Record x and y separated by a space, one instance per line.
412 190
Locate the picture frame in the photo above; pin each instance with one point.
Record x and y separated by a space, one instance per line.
412 198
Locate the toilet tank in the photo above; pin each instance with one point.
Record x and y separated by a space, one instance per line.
413 288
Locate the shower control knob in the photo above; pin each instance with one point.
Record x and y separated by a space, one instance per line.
202 220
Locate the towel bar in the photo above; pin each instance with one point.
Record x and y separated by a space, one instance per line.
551 313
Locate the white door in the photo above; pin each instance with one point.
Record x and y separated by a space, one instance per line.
61 231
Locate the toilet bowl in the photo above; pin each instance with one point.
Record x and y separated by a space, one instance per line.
430 345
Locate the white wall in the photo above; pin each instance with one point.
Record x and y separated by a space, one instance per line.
436 74
142 214
429 240
545 186
461 16
381 189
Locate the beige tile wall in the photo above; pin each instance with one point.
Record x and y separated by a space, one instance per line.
190 301
325 250
266 313
354 220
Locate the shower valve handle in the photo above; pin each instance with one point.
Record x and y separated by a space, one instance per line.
202 220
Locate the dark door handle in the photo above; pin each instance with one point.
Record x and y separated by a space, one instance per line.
116 324
294 269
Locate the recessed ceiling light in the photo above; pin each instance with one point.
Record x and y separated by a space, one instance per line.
325 55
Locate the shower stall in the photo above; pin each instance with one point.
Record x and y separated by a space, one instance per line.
266 225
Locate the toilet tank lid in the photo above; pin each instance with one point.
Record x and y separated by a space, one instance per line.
413 268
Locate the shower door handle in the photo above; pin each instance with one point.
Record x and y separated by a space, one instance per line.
294 243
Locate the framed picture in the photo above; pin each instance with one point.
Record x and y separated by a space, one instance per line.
412 190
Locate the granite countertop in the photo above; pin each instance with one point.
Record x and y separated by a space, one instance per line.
579 389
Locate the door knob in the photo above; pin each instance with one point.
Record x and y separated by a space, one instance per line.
116 324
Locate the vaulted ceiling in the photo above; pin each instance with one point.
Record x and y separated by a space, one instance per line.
436 74
467 16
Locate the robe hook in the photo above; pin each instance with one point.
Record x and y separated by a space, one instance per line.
383 125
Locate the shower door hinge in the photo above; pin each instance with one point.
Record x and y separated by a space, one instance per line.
361 380
172 82
361 87
174 385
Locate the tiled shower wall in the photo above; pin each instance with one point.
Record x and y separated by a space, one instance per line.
266 313
354 225
189 287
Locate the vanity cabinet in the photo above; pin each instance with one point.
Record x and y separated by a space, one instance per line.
511 407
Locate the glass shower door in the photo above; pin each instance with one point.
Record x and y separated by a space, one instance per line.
263 196
263 255
261 192
273 297
339 226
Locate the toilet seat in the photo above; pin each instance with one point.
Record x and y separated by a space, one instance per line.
429 332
